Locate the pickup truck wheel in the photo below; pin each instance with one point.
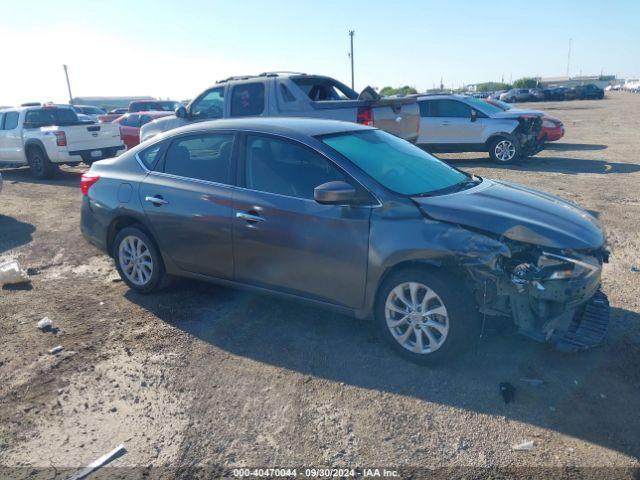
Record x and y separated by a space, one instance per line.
504 150
41 167
426 316
138 260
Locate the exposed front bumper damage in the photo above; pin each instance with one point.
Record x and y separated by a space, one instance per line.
528 135
551 296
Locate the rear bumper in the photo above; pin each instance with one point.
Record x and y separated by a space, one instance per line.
72 156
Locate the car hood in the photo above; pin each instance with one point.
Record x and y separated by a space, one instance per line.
516 112
518 213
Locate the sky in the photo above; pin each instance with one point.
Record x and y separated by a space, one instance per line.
176 49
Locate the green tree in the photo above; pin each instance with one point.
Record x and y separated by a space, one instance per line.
406 90
525 82
492 86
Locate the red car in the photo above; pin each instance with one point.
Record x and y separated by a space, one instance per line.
130 124
552 128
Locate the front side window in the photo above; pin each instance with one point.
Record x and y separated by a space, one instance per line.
201 157
450 108
395 163
10 120
286 168
209 106
247 99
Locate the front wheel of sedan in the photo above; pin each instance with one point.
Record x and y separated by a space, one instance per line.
426 316
138 260
504 150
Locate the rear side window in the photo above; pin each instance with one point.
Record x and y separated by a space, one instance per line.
247 100
425 109
201 157
286 95
286 168
210 105
450 108
10 120
149 156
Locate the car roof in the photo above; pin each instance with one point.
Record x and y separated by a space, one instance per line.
34 107
288 126
151 113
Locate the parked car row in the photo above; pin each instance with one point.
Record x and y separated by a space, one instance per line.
580 92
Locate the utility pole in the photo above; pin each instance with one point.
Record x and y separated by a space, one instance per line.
351 33
569 57
66 74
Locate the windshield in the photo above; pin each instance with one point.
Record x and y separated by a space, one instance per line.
501 105
482 105
168 105
395 163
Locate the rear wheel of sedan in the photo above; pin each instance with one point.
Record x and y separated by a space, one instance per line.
504 150
426 316
41 167
138 260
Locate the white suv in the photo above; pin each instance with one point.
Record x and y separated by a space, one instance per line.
459 123
45 136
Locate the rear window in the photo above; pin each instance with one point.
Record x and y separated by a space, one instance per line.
247 100
321 89
44 117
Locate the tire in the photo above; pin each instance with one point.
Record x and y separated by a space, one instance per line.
39 164
452 329
147 274
504 150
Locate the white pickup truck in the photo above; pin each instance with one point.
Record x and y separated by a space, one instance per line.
45 136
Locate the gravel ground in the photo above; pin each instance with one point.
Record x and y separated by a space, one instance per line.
203 376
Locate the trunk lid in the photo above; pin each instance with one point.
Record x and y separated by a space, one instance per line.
90 136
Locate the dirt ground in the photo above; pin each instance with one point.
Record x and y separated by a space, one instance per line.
203 376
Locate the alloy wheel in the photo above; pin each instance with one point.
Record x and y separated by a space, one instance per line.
416 317
505 150
135 260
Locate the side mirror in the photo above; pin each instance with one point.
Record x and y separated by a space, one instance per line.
181 112
335 193
474 115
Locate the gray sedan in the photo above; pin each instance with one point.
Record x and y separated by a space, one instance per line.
354 219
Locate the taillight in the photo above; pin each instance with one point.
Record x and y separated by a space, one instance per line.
87 180
61 139
365 116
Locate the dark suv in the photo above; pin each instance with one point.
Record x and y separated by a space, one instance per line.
354 219
592 91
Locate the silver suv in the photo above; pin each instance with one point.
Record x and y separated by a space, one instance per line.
459 123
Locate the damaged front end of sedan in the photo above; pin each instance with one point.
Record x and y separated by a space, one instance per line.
551 296
531 257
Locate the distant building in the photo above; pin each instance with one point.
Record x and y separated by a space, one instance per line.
109 103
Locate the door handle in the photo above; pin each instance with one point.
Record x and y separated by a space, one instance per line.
249 218
444 123
157 200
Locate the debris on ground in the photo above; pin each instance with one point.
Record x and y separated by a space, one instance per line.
11 273
57 349
635 268
507 391
534 382
524 446
117 452
45 324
